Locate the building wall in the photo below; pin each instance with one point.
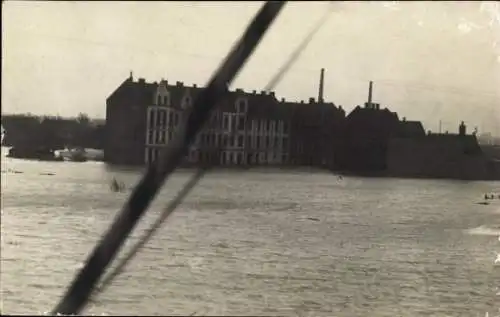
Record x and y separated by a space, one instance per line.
126 111
317 129
437 156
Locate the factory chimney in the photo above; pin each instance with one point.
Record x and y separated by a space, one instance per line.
370 91
321 85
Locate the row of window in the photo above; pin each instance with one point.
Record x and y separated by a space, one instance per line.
163 100
162 137
226 157
238 158
231 122
161 118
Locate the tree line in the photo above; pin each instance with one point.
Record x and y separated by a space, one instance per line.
53 132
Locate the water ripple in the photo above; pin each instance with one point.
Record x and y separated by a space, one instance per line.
255 243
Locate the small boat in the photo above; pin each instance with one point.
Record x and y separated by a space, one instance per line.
73 154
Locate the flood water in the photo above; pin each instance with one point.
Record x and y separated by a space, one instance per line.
256 243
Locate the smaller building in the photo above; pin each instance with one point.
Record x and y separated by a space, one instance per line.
456 156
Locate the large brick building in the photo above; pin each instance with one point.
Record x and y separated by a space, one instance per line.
247 128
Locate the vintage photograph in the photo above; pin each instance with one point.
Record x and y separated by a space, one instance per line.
250 158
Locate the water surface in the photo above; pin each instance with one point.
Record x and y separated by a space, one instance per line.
256 243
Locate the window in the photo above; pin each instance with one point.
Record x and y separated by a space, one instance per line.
158 119
160 137
152 156
241 123
151 118
156 137
233 123
285 127
163 119
159 100
240 141
150 137
285 143
225 122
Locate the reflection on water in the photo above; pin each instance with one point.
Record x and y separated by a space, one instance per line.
257 243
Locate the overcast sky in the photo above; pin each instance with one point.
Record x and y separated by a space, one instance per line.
428 60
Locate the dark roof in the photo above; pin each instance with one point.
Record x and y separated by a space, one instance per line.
260 104
140 92
372 122
411 129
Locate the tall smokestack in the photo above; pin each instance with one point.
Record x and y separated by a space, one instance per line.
321 83
370 91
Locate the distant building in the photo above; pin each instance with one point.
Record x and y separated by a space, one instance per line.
367 132
317 130
246 128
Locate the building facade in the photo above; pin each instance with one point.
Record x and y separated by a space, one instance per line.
245 129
